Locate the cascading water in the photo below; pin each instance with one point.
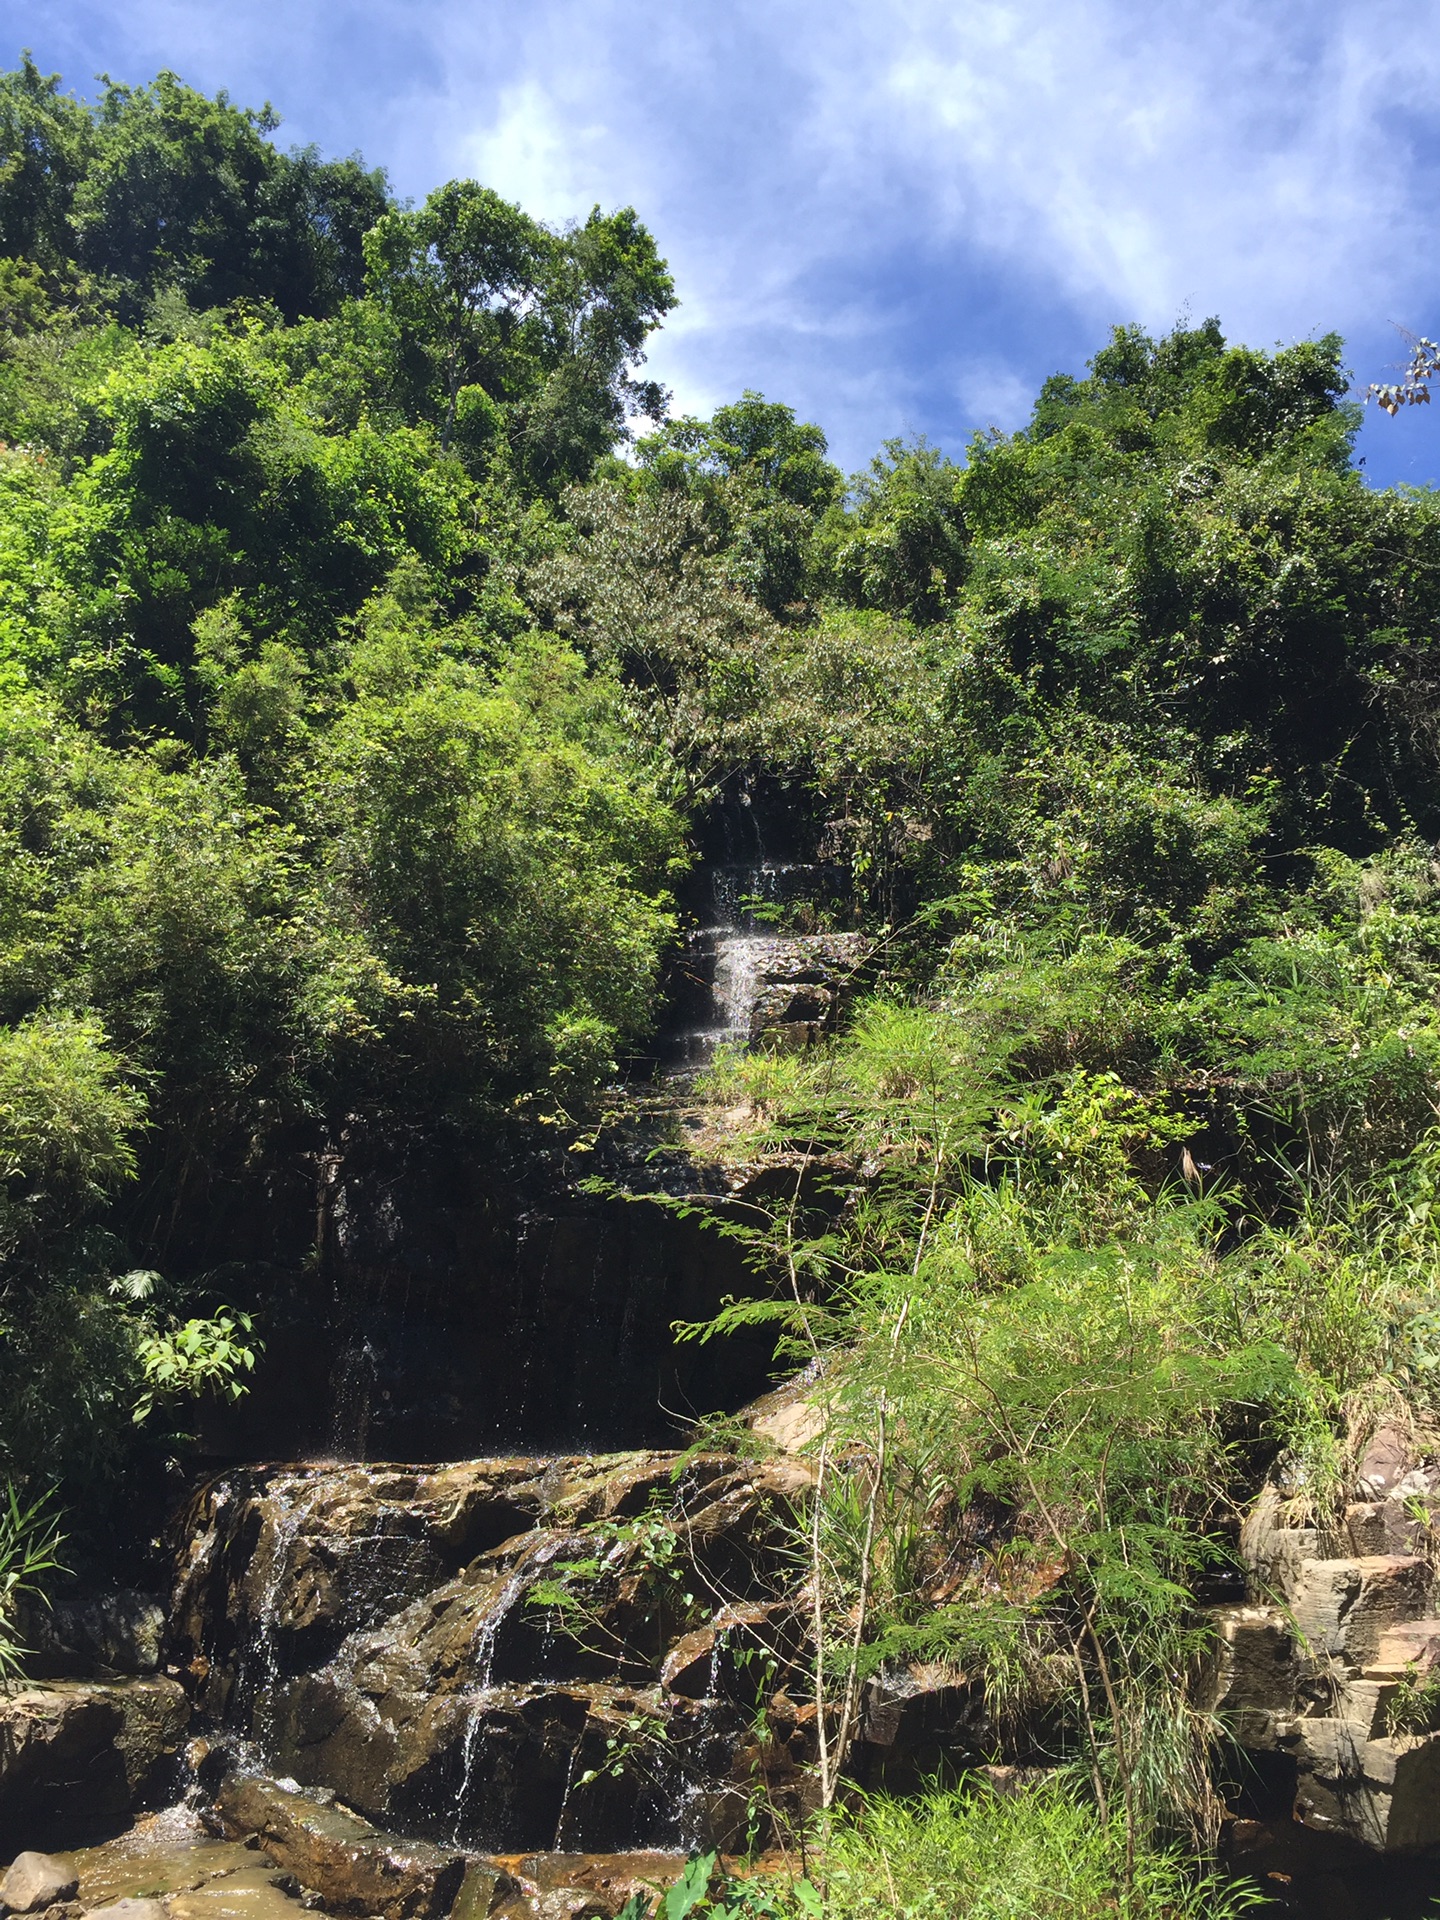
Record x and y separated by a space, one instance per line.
756 966
352 1391
454 1707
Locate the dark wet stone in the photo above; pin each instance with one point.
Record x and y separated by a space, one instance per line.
354 1867
278 1565
567 1886
77 1756
484 1888
95 1635
736 1655
913 1725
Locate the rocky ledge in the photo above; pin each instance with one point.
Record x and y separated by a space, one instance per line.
80 1756
523 1654
1330 1678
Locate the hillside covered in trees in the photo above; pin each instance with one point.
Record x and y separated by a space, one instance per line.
373 645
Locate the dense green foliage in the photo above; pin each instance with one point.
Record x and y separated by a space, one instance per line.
362 671
1120 1192
304 823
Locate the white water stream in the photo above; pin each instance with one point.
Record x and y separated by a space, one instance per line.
738 954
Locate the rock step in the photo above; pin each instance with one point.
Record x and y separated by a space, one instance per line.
1313 1672
356 1868
351 1865
1410 1646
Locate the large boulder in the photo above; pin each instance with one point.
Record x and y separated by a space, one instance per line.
78 1756
351 1865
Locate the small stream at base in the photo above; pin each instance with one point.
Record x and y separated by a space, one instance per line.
172 1856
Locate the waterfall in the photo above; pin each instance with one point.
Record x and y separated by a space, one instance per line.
352 1388
370 1631
754 973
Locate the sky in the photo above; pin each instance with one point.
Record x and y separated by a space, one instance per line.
897 216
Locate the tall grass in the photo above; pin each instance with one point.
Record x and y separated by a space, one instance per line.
1041 1853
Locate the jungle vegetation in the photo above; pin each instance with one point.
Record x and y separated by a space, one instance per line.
371 642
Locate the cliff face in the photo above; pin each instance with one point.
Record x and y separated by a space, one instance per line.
447 1307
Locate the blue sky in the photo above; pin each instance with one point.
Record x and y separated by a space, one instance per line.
897 215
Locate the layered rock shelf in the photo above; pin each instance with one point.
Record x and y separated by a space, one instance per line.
1330 1677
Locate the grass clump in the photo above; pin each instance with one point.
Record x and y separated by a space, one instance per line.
1041 1853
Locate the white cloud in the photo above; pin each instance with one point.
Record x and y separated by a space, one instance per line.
1272 164
893 211
534 153
1251 154
992 393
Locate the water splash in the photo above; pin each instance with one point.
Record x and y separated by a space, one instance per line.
352 1392
260 1661
741 947
474 1699
565 1796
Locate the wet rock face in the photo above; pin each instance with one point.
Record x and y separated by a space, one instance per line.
1332 1680
278 1565
171 1861
783 991
915 1727
459 1305
513 1654
802 986
78 1755
339 1856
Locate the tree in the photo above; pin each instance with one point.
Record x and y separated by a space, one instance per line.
308 233
159 188
604 290
902 546
460 273
170 193
763 481
1414 389
46 143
